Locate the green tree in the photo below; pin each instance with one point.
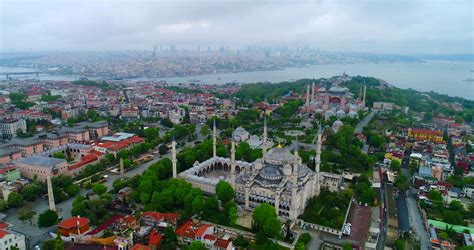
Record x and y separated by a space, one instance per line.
241 242
32 191
211 205
233 215
197 245
205 130
92 115
395 166
435 195
59 155
99 189
402 182
347 246
272 227
224 191
26 214
399 244
305 238
198 204
3 205
261 214
72 190
151 133
170 240
47 218
15 199
453 217
48 245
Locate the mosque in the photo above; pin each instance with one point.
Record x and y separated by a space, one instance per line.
335 101
278 178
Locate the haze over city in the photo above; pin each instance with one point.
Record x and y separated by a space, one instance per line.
387 27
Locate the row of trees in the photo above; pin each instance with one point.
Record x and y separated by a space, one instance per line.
20 100
93 207
350 154
452 213
328 208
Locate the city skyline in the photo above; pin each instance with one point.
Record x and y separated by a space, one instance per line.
418 27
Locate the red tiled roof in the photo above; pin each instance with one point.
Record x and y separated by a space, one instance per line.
86 159
210 237
192 230
6 169
74 222
427 131
105 224
168 217
221 243
116 146
154 238
3 225
3 233
139 246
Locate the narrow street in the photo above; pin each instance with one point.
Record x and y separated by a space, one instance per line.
416 221
414 214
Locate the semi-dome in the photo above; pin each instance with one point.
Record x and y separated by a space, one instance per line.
271 173
278 156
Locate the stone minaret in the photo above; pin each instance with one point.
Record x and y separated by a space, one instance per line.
265 136
294 186
214 140
173 158
312 95
365 91
232 163
122 169
307 95
318 162
49 184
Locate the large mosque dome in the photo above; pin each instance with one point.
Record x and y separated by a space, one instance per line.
278 156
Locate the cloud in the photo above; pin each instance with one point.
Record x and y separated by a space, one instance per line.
369 26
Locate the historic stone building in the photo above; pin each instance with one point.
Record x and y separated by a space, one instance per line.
335 101
278 178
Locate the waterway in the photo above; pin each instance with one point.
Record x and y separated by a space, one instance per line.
446 77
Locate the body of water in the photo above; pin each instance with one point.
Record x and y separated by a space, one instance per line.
446 77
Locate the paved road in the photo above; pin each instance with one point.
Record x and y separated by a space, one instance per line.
416 221
360 126
414 214
402 214
384 218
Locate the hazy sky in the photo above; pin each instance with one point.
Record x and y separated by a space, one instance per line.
397 27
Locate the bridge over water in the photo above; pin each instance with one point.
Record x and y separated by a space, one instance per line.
8 74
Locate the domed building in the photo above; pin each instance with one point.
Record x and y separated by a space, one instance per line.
278 178
336 126
339 100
